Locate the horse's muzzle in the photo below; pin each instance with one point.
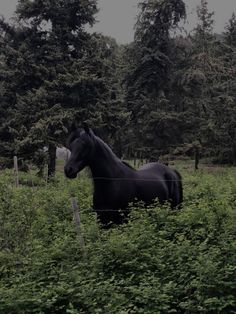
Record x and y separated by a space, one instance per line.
70 173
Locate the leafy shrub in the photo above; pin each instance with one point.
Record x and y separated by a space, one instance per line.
159 262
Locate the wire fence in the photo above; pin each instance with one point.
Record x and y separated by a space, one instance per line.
78 211
17 178
133 179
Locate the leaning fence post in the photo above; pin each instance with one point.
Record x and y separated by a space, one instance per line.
77 220
16 171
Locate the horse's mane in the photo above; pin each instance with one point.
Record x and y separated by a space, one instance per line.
107 148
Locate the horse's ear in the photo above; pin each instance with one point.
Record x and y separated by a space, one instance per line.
87 129
73 127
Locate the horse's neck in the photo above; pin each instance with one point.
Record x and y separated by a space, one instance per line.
105 164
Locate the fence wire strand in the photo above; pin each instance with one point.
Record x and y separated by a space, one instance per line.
131 179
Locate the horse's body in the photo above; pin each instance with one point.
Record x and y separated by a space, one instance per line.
117 184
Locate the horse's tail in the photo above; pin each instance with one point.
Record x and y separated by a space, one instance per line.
175 188
180 187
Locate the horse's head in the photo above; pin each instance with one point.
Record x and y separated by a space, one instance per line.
80 143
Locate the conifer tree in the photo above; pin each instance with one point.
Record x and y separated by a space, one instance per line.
148 83
224 113
198 77
61 73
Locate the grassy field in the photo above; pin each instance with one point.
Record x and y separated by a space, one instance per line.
159 262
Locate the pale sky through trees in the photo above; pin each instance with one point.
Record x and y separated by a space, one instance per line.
117 17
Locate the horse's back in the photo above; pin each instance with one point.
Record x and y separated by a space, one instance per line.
154 167
166 180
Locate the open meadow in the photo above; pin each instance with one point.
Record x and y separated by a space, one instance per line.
159 262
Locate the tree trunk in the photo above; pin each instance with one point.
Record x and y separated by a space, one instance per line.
52 149
196 158
234 153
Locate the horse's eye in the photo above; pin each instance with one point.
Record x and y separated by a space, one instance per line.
68 146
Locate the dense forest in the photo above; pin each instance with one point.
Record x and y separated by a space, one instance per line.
168 93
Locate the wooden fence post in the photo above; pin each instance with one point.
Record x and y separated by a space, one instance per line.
77 219
16 171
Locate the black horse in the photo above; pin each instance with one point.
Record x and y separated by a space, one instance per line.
116 184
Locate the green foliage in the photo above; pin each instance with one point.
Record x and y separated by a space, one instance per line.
55 72
181 88
149 74
159 262
157 19
163 91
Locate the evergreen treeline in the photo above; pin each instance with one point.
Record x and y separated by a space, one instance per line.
164 93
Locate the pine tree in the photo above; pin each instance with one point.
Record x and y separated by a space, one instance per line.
224 113
197 78
207 85
148 83
61 73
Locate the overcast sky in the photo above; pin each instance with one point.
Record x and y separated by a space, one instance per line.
117 17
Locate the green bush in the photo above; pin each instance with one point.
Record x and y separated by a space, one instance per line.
159 262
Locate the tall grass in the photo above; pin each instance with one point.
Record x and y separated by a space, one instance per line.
159 262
